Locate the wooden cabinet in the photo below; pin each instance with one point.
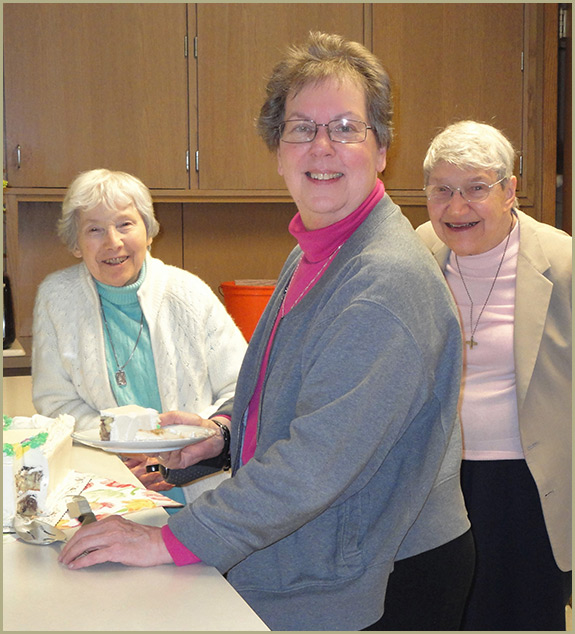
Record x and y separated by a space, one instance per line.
238 45
144 87
448 62
96 85
114 85
170 92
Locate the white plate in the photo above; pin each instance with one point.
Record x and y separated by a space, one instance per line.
192 434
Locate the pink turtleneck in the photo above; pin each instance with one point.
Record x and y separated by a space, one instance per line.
319 249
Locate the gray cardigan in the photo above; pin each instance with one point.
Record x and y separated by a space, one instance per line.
358 453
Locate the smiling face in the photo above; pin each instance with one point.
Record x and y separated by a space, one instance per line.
471 228
328 180
113 244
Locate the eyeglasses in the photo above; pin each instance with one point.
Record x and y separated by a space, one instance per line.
472 193
338 130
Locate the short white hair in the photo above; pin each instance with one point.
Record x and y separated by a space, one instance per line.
113 190
471 144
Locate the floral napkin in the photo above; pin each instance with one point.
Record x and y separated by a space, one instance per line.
108 497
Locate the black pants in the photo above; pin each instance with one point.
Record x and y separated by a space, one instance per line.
517 584
428 591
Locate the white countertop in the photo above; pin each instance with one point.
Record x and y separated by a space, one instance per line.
42 595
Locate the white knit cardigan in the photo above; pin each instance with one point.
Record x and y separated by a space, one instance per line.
197 347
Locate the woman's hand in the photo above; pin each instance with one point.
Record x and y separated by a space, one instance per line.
115 539
191 454
137 464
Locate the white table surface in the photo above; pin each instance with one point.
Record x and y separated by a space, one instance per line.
42 595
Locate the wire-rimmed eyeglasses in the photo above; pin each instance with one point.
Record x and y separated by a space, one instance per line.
338 130
472 193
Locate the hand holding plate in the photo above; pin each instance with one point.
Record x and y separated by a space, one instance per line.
190 454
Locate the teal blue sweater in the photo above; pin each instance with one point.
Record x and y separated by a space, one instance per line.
123 316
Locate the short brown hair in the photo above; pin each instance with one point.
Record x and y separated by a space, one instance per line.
323 56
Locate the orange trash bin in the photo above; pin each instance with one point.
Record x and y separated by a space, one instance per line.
245 301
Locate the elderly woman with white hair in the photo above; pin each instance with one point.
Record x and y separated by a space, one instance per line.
511 279
122 327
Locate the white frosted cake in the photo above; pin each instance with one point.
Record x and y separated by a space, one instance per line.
37 459
122 424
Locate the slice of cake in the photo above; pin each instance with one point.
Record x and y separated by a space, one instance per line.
121 424
36 461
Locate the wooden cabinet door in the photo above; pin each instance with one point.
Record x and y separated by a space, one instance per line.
95 85
238 45
448 62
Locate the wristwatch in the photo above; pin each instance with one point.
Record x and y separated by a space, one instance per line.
206 467
225 457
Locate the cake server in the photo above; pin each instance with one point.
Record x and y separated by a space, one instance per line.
79 508
35 531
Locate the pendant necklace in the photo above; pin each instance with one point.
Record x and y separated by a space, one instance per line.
471 342
120 374
313 279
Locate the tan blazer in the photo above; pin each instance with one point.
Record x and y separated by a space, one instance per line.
542 345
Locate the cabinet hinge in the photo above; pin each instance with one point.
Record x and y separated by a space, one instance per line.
185 46
197 161
562 22
196 47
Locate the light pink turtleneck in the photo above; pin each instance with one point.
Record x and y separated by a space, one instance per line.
488 400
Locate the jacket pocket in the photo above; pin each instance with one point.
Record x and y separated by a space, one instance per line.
324 551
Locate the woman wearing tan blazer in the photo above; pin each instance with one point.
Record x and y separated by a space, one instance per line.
511 278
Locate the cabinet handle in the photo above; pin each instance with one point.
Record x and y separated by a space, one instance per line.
18 156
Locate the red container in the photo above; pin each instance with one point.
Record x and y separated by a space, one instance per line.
246 303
